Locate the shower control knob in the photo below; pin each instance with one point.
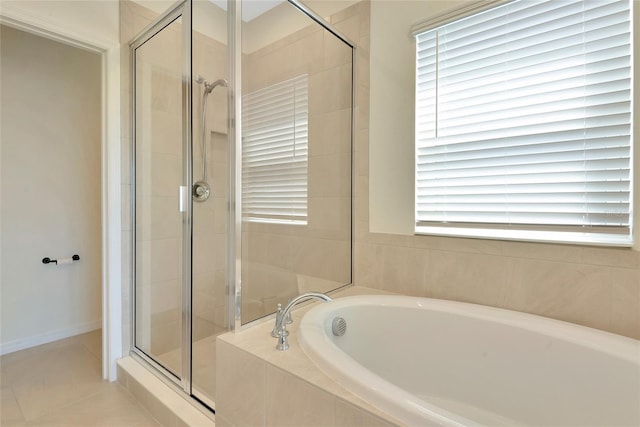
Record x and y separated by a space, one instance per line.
201 191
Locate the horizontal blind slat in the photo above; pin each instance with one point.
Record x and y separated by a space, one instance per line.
275 152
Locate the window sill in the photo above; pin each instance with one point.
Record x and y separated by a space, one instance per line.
573 238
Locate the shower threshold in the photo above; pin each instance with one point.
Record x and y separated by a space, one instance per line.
162 400
203 367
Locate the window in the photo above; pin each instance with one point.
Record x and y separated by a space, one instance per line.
274 154
523 123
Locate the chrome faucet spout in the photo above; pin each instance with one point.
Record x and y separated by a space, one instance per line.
283 316
295 301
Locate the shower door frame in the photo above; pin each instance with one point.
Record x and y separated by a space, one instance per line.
180 10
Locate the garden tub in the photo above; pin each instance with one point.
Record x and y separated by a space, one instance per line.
443 363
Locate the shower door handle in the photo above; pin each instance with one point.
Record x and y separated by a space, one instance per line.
184 194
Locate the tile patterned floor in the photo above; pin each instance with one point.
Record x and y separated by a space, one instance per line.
60 384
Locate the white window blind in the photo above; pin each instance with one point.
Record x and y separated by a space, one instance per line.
274 152
523 123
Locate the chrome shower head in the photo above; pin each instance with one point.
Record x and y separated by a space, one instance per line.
208 87
211 86
220 82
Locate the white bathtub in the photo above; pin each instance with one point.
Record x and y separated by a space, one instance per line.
433 362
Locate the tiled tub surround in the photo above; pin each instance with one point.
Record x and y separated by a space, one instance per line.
261 386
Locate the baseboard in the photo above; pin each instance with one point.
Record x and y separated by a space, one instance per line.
24 343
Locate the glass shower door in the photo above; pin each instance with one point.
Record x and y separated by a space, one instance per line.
162 246
181 162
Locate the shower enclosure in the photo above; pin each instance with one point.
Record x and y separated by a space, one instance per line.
241 166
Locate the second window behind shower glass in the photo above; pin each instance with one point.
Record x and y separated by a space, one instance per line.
296 186
275 129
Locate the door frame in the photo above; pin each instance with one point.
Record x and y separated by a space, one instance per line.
111 192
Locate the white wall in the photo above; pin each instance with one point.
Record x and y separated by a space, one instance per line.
95 20
391 132
51 189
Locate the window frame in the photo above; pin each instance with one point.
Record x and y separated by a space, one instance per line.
518 232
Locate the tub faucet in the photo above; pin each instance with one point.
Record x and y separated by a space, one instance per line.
283 317
279 318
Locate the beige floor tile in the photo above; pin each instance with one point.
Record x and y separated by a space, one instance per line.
19 365
60 384
22 365
92 341
62 376
111 407
10 413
